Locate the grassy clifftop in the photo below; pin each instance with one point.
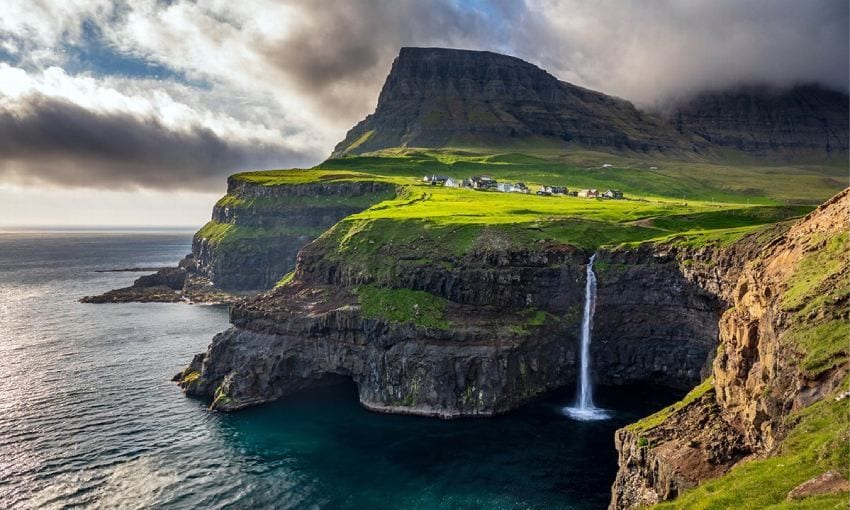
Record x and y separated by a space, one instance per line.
690 202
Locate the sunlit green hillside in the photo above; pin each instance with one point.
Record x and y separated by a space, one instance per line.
741 182
665 201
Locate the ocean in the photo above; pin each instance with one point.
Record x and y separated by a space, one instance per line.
89 417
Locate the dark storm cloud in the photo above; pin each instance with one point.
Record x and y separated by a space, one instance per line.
643 50
655 49
339 56
53 141
311 69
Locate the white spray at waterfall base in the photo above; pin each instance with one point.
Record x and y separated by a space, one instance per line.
584 410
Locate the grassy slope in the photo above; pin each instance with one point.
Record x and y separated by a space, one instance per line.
689 202
819 434
736 182
688 198
816 444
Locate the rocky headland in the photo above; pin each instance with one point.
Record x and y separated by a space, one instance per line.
335 275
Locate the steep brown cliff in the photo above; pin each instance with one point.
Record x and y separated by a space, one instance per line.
783 348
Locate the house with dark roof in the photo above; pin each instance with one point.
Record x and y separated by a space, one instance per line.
435 179
589 193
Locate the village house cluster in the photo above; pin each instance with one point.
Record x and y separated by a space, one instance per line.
485 183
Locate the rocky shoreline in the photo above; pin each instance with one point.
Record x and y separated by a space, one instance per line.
168 285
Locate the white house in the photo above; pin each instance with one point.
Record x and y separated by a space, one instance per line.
451 182
435 179
520 187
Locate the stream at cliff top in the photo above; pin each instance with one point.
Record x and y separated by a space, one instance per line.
89 417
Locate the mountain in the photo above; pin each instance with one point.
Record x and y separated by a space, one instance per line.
435 97
763 119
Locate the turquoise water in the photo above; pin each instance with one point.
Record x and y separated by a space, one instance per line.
89 417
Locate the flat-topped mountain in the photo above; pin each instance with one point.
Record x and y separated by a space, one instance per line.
435 97
763 119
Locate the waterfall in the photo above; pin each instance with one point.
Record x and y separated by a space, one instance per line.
584 408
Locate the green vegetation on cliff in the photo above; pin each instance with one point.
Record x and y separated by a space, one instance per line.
403 306
658 418
744 182
817 443
245 237
820 331
684 202
410 223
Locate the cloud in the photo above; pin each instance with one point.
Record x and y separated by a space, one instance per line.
652 50
214 87
50 140
116 133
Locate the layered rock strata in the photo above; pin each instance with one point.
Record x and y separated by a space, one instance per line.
510 331
257 230
782 349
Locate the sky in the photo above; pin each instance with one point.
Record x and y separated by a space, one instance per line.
133 113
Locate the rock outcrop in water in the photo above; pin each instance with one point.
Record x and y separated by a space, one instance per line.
782 349
168 285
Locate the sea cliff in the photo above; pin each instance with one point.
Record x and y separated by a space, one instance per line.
457 335
773 415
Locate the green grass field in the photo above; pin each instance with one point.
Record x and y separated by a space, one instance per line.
739 182
689 202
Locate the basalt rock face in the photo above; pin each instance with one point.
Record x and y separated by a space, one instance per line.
782 349
435 97
256 231
762 120
490 358
652 323
659 306
301 337
314 330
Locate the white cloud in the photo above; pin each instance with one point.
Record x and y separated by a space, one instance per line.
290 77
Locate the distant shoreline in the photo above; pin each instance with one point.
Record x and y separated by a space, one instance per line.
96 229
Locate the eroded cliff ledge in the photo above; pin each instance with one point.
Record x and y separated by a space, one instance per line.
468 334
258 228
774 412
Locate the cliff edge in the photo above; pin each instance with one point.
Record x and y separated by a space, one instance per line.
774 414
